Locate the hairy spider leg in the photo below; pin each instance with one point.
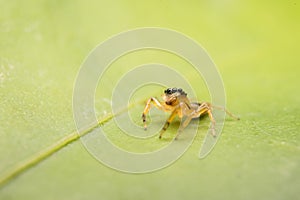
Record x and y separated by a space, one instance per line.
225 110
167 123
186 110
204 108
207 108
156 103
181 109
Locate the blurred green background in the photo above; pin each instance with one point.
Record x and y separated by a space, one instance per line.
255 45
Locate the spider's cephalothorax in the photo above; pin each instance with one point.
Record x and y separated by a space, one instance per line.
171 96
176 102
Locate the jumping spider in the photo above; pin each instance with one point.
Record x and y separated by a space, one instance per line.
176 101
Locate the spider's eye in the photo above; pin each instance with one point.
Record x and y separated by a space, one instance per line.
168 91
174 90
179 90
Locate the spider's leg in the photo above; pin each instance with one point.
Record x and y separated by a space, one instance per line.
156 103
213 122
207 108
204 108
167 123
183 125
190 113
225 110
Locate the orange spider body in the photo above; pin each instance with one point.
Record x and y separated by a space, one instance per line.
176 101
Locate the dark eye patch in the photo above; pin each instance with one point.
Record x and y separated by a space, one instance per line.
173 90
168 91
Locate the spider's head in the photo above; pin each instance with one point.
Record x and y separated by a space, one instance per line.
171 94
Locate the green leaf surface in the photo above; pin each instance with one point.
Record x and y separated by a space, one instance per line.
255 46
